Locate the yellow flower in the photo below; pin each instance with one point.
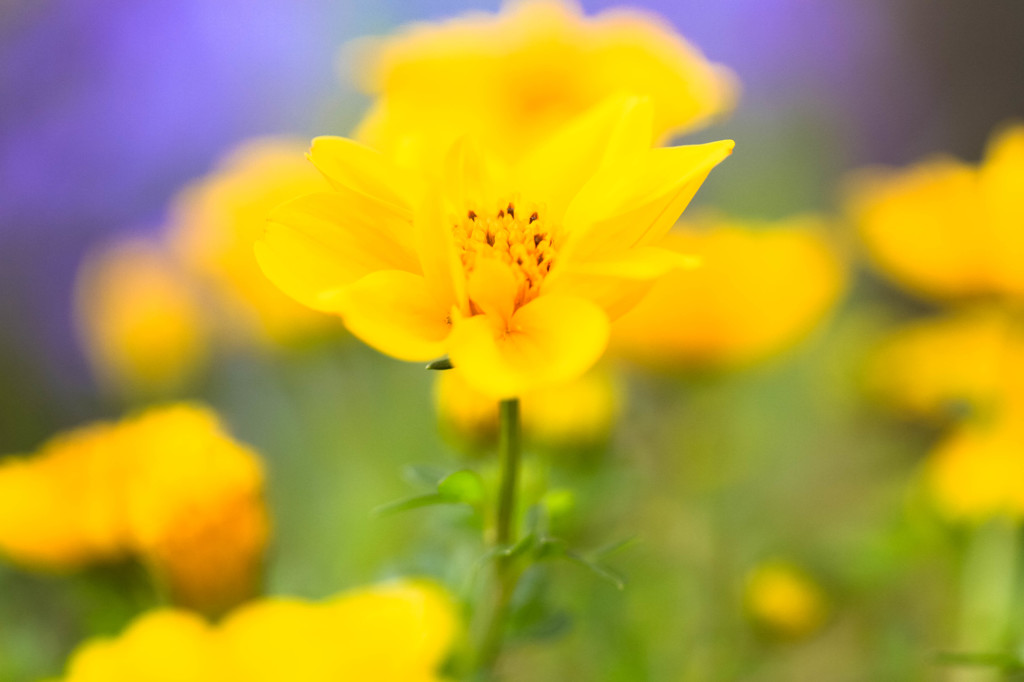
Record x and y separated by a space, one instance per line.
512 79
140 324
195 506
783 599
946 229
168 486
514 272
758 290
162 646
214 222
59 510
397 632
976 472
567 416
971 358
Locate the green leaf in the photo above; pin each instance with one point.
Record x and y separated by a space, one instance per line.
551 548
461 487
534 614
407 503
612 547
424 475
440 363
465 487
554 624
598 569
520 547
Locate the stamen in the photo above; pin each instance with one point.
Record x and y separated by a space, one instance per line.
521 244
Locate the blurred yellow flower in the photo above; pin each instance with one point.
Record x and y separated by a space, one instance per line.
139 322
575 415
759 289
61 509
214 222
195 506
955 232
976 472
784 600
946 229
514 272
971 358
512 79
161 646
398 632
168 486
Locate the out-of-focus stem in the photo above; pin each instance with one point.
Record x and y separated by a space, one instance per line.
987 594
505 575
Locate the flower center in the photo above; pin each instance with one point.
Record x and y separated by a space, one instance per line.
519 238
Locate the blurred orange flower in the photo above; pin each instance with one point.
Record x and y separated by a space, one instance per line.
953 231
760 288
968 361
974 474
168 486
946 229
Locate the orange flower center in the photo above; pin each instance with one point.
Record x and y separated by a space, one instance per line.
519 238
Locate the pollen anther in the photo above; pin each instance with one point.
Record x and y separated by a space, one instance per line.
525 245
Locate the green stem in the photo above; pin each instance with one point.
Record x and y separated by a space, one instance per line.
495 612
509 437
989 578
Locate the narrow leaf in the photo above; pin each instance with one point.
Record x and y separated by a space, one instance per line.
598 569
440 363
408 503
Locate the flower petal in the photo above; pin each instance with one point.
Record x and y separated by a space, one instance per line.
617 284
445 276
492 287
349 164
640 205
320 242
393 311
643 262
300 268
550 340
608 137
471 178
